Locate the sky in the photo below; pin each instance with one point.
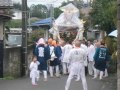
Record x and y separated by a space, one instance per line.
56 3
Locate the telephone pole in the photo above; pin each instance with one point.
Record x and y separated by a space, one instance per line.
24 38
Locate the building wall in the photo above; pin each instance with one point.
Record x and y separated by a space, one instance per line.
90 35
12 61
17 14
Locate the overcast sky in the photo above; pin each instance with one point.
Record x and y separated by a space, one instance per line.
45 2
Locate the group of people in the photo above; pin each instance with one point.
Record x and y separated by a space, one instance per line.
69 58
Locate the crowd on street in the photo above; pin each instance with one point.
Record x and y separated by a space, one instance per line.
73 58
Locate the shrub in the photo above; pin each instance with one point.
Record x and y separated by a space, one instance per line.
113 63
112 46
36 34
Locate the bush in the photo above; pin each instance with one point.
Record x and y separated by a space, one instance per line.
36 34
113 63
111 43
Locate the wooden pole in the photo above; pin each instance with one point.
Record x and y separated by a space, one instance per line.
24 37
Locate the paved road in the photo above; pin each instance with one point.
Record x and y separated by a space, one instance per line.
58 84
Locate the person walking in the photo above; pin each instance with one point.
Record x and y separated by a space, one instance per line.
83 46
55 52
34 73
65 61
42 54
101 57
91 52
77 57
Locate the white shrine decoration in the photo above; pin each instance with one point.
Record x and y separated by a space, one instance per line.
69 18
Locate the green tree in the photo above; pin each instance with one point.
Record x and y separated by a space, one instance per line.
57 12
17 6
14 23
39 11
104 14
18 23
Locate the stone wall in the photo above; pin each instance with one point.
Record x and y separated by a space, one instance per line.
12 61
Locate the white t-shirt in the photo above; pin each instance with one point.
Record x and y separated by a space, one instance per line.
66 50
83 46
77 55
91 52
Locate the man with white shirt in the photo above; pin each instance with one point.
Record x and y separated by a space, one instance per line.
90 52
83 46
77 57
65 61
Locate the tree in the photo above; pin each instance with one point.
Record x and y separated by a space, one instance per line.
57 12
14 24
118 44
39 11
104 14
17 23
17 6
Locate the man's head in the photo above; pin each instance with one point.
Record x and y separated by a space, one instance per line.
103 43
50 41
89 42
77 43
54 43
61 43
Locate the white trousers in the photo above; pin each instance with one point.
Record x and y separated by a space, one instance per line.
51 70
65 67
35 77
33 80
73 71
91 68
106 72
45 74
97 72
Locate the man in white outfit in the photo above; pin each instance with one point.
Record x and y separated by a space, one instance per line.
91 53
65 61
83 46
77 57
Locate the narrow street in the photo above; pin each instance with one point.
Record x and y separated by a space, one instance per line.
58 84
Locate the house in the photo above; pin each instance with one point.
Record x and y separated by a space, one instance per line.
5 15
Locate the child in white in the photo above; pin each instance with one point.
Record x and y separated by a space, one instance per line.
77 58
34 73
65 60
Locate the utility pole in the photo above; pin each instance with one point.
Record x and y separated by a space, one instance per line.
52 11
24 38
118 45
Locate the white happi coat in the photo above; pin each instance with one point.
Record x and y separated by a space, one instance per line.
34 69
77 57
66 50
91 52
83 46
